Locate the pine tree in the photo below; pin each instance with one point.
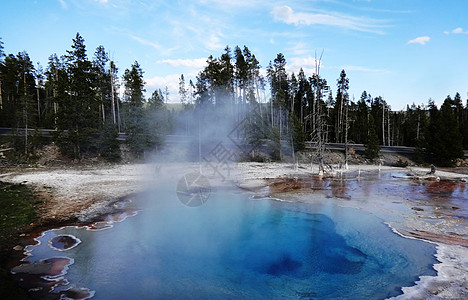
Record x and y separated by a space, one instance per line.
462 118
10 77
300 103
134 85
276 73
109 146
225 79
445 140
359 127
27 88
377 109
372 148
255 81
2 53
55 88
136 120
115 101
241 73
103 85
341 102
18 107
78 106
182 91
40 95
299 135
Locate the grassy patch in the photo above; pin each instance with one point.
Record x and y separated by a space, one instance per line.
17 210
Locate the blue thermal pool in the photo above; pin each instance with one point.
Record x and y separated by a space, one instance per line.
234 247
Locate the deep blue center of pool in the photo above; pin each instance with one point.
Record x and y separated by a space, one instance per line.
237 248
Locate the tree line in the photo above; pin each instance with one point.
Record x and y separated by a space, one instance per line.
308 108
79 98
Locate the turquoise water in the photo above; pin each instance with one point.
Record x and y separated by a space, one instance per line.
234 247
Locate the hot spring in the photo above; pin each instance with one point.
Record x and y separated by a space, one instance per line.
233 247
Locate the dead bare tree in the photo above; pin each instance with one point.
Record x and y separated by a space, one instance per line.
318 136
112 71
346 134
388 126
383 122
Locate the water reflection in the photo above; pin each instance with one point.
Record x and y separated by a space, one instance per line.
449 197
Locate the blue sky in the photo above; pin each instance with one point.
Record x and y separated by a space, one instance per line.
404 50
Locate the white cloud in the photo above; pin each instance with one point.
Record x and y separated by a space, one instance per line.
307 63
299 49
145 42
213 43
422 40
63 3
287 15
172 83
158 82
191 63
457 30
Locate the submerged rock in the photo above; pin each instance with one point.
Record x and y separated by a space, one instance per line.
64 242
51 267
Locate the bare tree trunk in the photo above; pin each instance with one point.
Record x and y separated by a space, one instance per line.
271 111
302 116
314 112
383 124
388 127
320 142
258 98
346 137
292 105
38 103
113 99
340 121
280 133
118 115
103 113
320 123
55 114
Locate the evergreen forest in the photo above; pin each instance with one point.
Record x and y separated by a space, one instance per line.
82 99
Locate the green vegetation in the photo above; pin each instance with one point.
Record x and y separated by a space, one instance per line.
17 210
79 98
444 138
372 145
